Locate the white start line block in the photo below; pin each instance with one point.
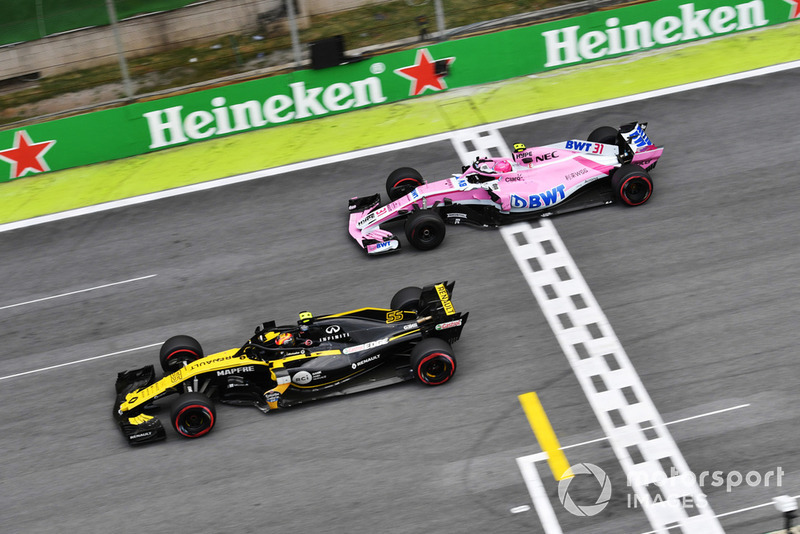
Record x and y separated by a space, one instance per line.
611 384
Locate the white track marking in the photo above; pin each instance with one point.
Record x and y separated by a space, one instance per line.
80 361
739 511
77 292
393 146
539 497
715 412
613 388
479 142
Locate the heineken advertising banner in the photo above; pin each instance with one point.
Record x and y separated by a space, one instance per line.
148 126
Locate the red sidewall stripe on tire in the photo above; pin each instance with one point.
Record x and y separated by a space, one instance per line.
430 357
398 182
205 409
649 190
173 353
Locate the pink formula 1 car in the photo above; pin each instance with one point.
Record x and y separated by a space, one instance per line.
610 166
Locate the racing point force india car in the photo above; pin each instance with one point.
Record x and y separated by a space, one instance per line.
610 166
285 365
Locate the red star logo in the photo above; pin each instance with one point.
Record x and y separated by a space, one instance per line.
26 155
423 73
795 9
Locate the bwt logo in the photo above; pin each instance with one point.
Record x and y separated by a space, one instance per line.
638 137
579 145
540 200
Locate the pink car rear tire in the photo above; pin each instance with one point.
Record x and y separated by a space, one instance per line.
632 185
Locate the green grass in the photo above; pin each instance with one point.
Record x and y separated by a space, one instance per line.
226 55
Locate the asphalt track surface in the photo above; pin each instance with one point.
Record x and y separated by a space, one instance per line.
699 285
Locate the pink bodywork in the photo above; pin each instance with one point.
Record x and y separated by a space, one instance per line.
540 177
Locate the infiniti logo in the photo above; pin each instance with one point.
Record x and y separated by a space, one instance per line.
333 329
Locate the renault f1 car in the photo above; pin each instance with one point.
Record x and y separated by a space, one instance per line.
281 366
610 166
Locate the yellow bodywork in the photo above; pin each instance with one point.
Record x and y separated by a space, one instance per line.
139 419
214 362
448 306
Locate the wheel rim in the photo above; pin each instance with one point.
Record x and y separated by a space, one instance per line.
636 190
427 234
194 421
436 368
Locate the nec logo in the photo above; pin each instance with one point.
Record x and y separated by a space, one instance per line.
547 157
537 201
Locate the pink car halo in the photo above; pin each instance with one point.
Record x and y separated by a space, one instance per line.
610 166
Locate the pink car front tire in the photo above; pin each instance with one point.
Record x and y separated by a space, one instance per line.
425 229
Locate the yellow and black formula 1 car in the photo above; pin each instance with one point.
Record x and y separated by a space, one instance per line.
281 366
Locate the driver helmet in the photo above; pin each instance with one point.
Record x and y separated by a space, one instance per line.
519 147
503 166
285 339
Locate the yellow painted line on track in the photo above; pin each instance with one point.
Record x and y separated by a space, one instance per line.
55 192
545 435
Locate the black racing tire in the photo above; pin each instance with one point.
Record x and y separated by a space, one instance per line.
402 181
433 361
604 134
178 351
632 185
425 229
193 415
407 299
